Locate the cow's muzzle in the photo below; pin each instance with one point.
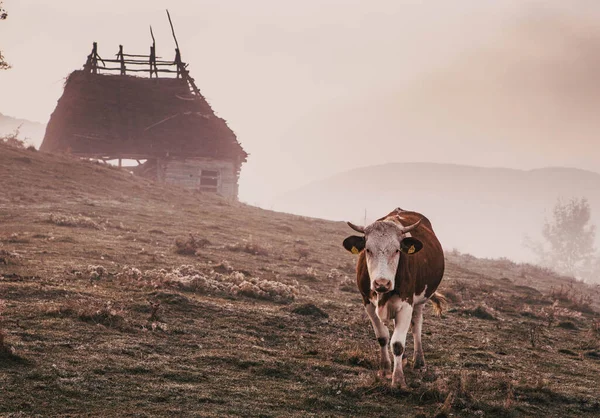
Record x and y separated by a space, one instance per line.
382 285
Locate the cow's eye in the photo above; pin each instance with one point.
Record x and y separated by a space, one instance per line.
368 251
397 251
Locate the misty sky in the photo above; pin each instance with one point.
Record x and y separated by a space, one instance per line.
316 87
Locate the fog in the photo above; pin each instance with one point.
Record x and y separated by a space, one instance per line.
320 87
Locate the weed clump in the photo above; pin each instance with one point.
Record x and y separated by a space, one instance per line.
16 238
190 245
309 274
481 312
9 257
96 272
354 355
347 284
77 221
302 253
248 246
91 311
452 296
105 315
129 273
234 283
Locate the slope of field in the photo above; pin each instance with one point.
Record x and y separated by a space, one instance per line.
258 315
499 206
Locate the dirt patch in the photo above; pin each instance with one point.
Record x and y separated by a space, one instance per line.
308 309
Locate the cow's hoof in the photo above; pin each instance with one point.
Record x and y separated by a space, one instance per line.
419 363
399 384
385 374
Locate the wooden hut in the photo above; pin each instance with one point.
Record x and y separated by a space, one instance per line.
157 117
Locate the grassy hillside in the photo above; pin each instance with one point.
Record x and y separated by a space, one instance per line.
484 211
126 298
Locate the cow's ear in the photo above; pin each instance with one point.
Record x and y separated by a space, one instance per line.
410 245
354 244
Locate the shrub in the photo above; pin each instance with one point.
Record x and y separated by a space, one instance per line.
12 139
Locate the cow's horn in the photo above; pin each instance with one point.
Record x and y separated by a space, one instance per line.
360 229
406 229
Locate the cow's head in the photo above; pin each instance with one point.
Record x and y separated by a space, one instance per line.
383 241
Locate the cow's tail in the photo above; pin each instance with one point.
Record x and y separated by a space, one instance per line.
439 302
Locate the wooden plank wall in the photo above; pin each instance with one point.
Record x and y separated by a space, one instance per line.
186 173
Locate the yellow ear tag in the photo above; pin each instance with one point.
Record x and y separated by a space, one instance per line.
412 249
354 250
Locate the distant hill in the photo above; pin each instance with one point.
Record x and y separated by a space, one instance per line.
483 211
32 131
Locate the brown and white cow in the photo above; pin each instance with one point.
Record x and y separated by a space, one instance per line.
400 265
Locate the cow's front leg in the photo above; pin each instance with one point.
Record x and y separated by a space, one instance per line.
383 337
417 326
398 343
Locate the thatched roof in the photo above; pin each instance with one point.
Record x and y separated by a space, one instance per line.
133 117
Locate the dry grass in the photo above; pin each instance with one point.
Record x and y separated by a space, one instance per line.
6 350
573 299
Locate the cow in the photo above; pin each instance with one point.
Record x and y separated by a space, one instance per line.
400 265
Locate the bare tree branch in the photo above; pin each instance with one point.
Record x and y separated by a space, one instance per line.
3 15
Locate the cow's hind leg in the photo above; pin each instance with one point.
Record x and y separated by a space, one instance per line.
417 326
398 343
383 337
